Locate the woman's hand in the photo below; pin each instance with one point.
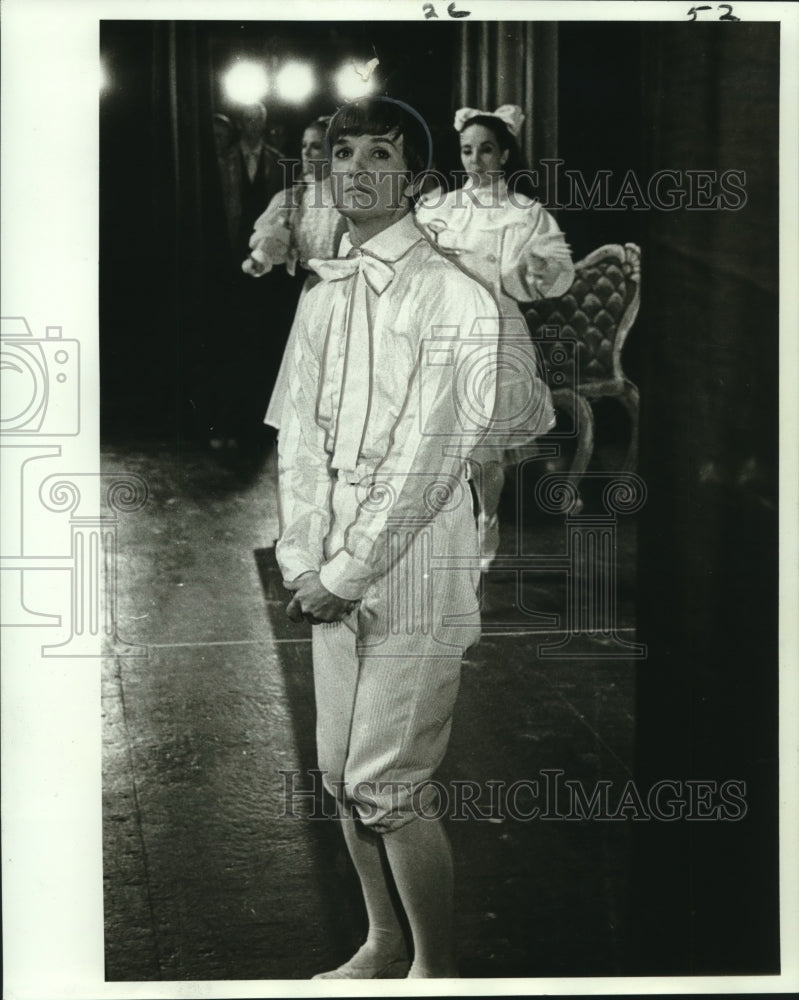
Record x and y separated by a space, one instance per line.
444 240
543 247
254 267
269 246
546 265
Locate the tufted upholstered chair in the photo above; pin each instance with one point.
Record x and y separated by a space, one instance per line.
597 312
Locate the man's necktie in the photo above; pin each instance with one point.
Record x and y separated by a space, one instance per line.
356 384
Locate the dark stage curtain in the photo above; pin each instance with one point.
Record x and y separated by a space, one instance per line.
707 889
191 195
178 346
163 238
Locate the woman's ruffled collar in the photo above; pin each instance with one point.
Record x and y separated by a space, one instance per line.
474 207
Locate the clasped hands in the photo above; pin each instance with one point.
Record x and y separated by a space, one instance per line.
314 603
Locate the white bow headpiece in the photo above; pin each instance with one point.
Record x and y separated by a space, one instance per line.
510 114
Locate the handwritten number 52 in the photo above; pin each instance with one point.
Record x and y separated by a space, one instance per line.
729 16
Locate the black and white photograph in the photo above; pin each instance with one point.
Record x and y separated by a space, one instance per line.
399 494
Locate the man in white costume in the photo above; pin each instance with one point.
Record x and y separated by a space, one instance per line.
391 386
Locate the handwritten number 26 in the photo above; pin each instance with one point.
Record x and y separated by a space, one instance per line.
430 11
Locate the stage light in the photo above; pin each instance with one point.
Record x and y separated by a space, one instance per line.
103 79
295 82
246 82
356 79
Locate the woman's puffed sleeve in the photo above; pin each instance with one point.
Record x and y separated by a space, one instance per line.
536 259
271 242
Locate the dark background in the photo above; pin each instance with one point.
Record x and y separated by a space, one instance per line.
704 353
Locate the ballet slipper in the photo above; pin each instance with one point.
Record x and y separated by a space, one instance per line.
397 968
369 968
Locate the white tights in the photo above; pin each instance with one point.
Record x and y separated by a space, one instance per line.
416 860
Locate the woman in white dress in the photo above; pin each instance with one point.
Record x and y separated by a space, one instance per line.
299 224
514 247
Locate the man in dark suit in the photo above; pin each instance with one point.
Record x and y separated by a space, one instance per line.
255 316
251 174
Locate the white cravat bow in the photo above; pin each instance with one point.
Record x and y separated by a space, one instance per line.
377 273
356 385
510 114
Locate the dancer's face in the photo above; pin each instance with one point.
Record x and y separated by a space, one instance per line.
480 153
369 176
313 152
